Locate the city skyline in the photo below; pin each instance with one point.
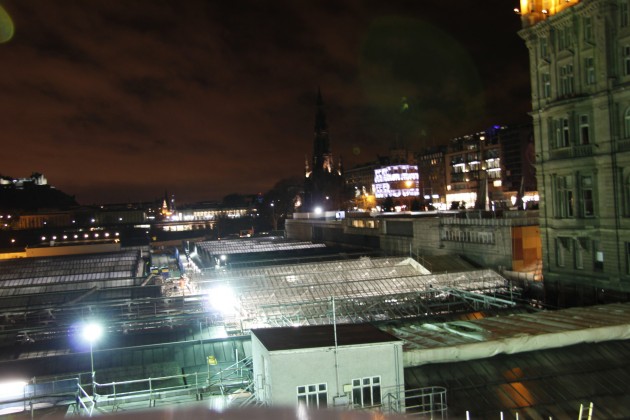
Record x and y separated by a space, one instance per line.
119 102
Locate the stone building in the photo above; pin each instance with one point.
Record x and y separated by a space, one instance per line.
579 55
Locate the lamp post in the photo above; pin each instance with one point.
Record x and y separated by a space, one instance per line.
91 333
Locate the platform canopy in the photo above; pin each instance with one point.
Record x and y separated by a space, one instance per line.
363 290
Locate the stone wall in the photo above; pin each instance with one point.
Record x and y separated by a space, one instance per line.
487 242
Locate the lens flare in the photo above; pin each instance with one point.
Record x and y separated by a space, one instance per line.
6 26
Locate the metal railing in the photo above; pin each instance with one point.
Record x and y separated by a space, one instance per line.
84 402
149 389
423 402
234 378
36 394
427 401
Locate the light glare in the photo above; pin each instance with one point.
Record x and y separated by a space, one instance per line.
222 299
12 388
92 332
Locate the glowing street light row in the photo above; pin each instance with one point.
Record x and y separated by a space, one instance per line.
76 236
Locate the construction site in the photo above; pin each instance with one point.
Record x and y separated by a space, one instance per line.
182 336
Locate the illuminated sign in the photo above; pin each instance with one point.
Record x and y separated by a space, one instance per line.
396 181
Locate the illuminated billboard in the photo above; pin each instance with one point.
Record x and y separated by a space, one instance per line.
396 181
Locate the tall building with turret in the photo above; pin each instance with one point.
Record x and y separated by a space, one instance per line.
580 74
323 183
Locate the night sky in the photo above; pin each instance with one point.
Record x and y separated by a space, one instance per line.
123 100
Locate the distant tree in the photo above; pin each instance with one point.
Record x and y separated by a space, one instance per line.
280 201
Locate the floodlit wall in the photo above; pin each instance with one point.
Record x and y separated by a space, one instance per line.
488 242
298 229
279 373
72 250
331 232
12 254
526 248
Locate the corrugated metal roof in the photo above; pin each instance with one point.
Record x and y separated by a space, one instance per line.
521 363
535 385
38 275
469 340
254 245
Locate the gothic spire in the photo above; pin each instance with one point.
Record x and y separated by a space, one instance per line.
320 116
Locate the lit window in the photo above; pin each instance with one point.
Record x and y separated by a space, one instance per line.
626 123
587 196
578 253
584 130
313 396
626 191
566 80
623 14
562 246
564 37
626 60
589 73
588 29
565 132
598 257
564 197
561 133
546 85
366 392
560 39
544 50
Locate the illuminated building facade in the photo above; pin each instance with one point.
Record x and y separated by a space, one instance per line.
41 220
397 181
474 162
432 170
579 55
490 169
323 183
35 179
360 180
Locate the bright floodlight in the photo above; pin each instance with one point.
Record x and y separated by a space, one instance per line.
318 210
92 332
222 299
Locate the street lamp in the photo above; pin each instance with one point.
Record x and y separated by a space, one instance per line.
91 333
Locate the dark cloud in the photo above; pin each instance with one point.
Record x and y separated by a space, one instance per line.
148 89
121 100
96 123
